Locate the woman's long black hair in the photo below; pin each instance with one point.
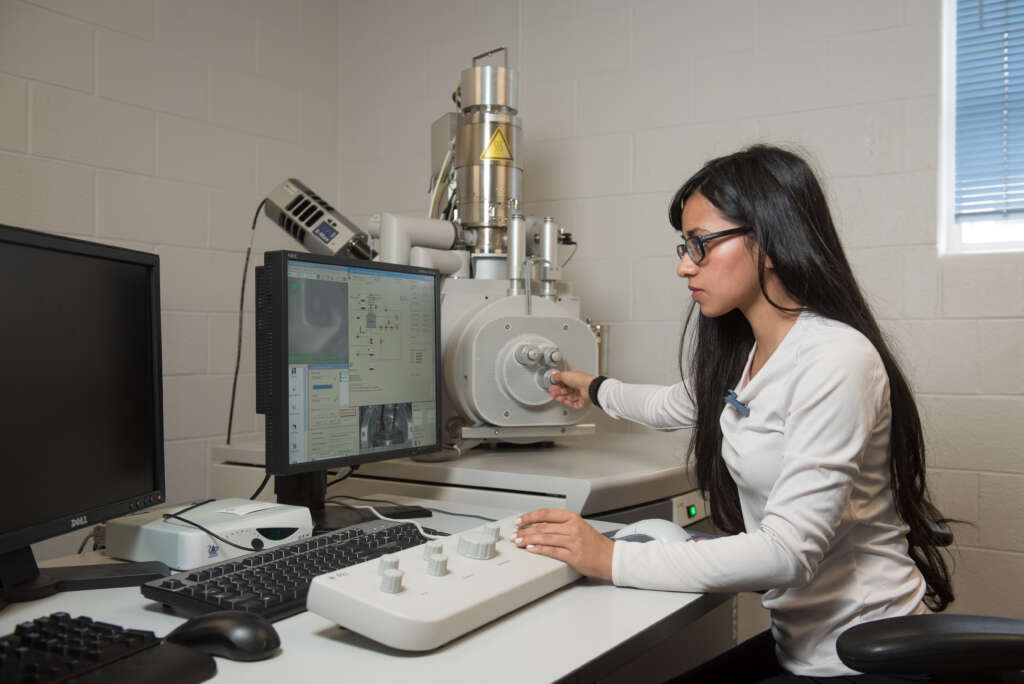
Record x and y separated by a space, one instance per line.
775 192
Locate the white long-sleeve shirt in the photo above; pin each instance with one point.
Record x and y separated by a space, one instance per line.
812 468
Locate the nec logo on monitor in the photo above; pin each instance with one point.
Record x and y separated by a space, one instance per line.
79 521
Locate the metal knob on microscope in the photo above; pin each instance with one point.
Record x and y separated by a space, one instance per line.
528 354
547 380
552 356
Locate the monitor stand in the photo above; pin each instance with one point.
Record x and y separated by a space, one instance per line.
310 490
22 580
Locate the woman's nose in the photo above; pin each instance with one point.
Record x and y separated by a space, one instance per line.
686 267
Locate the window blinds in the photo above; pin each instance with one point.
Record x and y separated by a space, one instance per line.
989 110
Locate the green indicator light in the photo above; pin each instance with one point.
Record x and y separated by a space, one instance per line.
295 286
691 511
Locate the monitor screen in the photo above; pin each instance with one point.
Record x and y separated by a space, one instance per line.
80 412
349 368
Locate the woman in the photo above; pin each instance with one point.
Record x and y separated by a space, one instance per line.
807 437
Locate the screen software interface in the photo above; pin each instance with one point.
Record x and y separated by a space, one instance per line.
361 375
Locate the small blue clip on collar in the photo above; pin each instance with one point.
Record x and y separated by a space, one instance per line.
733 400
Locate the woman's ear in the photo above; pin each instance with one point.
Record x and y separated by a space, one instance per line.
767 259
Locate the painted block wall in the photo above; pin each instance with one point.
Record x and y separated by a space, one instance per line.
149 124
621 101
159 125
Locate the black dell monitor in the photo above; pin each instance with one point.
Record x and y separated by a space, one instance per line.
80 405
348 370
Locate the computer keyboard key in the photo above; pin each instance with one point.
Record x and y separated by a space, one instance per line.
56 648
284 572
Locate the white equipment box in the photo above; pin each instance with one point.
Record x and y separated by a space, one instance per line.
425 596
253 525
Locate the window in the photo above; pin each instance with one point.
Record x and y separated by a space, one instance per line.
983 111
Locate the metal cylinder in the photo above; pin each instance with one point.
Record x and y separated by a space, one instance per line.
487 168
489 86
489 267
489 240
516 253
550 266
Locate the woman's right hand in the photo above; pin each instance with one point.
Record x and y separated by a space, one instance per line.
571 388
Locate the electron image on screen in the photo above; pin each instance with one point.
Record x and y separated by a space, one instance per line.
361 355
385 425
317 321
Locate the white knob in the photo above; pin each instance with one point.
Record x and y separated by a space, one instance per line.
476 546
527 354
437 565
432 547
388 562
552 357
492 531
391 581
546 380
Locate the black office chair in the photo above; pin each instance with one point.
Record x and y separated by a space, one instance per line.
948 648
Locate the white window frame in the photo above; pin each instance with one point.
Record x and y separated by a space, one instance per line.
951 234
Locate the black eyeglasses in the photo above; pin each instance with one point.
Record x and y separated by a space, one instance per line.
694 245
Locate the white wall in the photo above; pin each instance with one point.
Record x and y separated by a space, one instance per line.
159 125
621 101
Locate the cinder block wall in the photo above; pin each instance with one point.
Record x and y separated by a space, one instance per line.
621 101
159 125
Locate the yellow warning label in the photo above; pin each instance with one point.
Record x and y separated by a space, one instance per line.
497 148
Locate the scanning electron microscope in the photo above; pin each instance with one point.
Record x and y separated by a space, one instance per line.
508 322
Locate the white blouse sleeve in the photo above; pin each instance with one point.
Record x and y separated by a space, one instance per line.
664 407
838 397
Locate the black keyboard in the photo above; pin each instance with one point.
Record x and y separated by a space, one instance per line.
57 648
274 583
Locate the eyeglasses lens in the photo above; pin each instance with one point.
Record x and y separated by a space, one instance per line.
692 247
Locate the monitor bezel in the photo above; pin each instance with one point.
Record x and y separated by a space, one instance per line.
277 462
82 520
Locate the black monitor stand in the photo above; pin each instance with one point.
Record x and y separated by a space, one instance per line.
310 490
22 580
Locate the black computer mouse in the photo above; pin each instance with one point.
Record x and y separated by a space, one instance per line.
230 634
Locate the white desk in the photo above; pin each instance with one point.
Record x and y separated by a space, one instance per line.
586 631
592 475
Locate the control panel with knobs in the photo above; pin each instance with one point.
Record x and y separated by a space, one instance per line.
425 596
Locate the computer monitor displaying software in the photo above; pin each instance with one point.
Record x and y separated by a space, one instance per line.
80 406
348 367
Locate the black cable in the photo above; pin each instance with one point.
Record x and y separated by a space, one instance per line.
266 479
84 541
193 506
177 516
351 469
395 503
241 310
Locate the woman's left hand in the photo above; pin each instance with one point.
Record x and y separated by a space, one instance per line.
566 536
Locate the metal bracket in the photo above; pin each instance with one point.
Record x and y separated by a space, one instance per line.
493 432
493 52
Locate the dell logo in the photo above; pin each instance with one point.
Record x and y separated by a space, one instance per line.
79 521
